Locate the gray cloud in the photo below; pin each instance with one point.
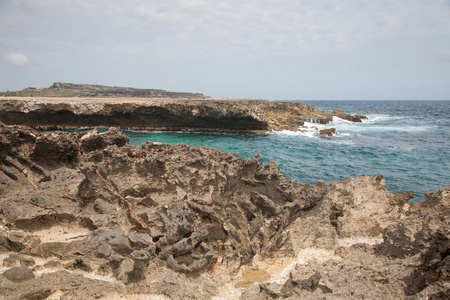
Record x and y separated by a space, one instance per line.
252 37
255 26
17 59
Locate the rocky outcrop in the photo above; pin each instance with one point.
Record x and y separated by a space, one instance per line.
327 132
251 116
351 118
185 222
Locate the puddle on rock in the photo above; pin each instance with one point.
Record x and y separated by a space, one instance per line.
251 276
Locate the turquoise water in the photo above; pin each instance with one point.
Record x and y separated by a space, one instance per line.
408 142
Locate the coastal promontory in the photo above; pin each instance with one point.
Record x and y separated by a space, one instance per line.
175 113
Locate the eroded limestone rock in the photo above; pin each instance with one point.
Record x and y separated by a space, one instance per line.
183 222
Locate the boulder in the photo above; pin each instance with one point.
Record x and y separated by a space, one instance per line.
327 132
93 140
18 274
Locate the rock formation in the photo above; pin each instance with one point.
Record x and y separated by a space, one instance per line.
232 115
87 215
327 132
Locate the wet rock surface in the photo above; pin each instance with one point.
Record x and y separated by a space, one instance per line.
88 215
327 132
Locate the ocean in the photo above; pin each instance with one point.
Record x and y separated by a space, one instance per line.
408 142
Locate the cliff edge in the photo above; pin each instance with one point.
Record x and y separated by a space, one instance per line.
215 115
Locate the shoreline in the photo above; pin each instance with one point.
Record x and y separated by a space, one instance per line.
164 114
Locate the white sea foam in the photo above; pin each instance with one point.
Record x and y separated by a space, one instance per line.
378 123
377 118
312 130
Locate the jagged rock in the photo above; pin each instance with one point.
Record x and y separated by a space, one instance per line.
82 263
422 229
183 221
143 241
8 245
125 268
93 140
297 281
197 265
53 149
355 118
118 242
402 198
327 132
18 274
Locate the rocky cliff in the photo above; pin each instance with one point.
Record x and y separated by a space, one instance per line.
87 215
254 116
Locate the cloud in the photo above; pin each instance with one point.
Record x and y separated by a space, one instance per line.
195 28
17 59
259 40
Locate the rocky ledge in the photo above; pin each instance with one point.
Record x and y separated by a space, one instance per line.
87 215
216 115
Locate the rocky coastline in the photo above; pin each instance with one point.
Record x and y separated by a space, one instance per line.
86 215
163 114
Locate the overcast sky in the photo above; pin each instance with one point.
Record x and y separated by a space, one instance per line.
270 49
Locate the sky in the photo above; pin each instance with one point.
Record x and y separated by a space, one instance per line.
258 49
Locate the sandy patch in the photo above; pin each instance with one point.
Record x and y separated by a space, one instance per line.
62 234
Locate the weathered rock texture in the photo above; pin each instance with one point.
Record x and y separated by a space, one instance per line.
255 116
184 223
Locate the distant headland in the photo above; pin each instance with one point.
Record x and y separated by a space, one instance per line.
63 89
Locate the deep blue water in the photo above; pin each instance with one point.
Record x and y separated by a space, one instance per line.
408 142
